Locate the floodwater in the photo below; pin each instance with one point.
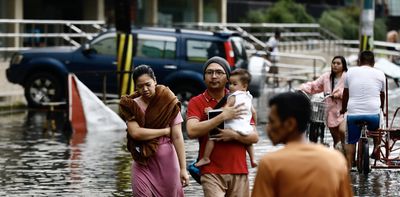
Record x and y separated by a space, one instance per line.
38 160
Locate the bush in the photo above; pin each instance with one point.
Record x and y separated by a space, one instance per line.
380 29
284 11
329 22
344 23
257 16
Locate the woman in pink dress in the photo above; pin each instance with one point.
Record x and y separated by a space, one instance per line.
332 83
154 137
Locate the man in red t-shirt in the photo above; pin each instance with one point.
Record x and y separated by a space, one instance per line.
226 175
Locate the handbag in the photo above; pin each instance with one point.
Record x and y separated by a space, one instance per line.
194 171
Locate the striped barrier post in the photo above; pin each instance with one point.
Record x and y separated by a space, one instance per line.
124 47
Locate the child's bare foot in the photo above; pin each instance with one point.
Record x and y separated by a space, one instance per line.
253 164
202 162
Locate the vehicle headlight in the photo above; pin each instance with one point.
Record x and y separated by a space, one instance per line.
16 58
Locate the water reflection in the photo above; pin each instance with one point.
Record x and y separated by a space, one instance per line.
377 183
42 161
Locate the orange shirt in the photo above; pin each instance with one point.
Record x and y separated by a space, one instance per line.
302 170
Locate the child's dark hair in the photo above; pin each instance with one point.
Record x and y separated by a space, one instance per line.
141 70
244 75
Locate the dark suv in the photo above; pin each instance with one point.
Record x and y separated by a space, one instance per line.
176 55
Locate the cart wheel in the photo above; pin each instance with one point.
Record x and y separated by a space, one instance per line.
313 132
322 132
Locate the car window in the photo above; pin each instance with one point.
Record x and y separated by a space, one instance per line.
238 49
201 50
163 49
106 46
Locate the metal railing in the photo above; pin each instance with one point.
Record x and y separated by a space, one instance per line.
260 32
18 34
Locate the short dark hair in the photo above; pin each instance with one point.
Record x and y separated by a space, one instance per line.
366 57
293 104
244 75
141 70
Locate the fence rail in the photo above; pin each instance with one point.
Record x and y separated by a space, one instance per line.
21 34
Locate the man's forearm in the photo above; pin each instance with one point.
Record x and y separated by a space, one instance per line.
382 96
198 128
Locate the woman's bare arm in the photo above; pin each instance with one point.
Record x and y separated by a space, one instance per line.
177 140
139 133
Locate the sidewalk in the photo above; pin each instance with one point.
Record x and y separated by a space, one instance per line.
10 94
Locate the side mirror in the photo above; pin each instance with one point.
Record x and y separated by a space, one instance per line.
87 50
86 46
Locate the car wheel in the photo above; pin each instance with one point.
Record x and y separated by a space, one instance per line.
42 87
184 93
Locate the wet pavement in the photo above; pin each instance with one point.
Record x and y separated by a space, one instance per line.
37 160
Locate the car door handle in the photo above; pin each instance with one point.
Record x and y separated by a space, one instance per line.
172 67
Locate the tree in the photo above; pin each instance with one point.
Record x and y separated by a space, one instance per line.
284 11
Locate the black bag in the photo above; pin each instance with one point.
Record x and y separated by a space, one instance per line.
194 171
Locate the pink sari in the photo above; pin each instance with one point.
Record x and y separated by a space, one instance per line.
161 176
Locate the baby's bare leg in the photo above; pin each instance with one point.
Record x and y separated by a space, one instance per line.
207 152
250 150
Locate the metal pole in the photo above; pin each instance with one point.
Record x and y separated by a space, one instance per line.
367 26
387 103
104 87
315 69
124 46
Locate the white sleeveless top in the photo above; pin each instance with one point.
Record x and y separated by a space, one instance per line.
241 125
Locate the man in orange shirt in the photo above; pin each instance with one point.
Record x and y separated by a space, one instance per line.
300 168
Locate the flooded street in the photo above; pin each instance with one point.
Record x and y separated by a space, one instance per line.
36 161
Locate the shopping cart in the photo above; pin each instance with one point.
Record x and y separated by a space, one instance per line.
316 131
318 111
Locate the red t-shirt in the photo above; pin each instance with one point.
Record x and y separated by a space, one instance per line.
226 157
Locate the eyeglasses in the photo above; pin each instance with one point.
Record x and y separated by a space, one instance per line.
217 73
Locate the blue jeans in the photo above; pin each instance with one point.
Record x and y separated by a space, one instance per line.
354 127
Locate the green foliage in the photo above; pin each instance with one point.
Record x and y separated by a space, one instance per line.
256 16
329 22
344 23
284 11
380 29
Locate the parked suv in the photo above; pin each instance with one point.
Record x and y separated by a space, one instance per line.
176 56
